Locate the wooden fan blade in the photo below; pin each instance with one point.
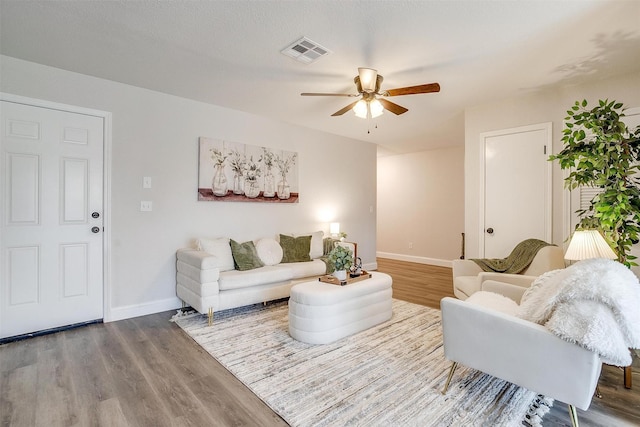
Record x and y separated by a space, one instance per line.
327 94
413 90
345 109
394 108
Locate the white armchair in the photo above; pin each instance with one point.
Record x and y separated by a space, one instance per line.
518 351
468 277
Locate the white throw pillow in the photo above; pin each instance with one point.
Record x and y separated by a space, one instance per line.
317 249
221 249
269 251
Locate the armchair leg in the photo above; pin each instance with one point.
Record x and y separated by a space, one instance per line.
451 371
573 413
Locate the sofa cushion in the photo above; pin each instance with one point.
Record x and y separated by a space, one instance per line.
295 249
300 270
269 251
220 249
315 248
245 256
236 279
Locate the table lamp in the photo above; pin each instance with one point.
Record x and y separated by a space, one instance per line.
586 244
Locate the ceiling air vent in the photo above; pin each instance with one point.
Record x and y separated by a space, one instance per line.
305 50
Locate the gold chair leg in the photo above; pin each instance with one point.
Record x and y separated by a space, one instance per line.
573 413
451 371
210 316
598 394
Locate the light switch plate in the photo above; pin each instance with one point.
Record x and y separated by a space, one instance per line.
146 182
146 206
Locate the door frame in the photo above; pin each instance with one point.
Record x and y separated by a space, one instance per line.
548 128
106 184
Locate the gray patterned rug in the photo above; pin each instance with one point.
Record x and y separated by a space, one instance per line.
389 375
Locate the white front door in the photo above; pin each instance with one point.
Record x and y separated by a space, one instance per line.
51 270
517 188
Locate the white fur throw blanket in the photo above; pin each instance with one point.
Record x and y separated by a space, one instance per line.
594 303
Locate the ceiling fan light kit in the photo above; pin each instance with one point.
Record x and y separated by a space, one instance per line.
368 78
368 109
368 83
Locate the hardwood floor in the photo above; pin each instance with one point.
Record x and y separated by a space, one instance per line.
146 372
137 372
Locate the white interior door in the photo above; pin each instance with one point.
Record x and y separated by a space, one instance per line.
516 188
52 218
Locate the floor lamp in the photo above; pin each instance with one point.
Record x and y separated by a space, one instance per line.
586 244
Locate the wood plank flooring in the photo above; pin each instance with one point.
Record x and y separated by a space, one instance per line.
147 372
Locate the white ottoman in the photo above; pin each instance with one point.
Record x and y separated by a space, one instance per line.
320 313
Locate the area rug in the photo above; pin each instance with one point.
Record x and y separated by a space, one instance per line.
389 375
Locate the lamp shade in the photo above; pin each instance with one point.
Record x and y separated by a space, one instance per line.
586 244
334 228
368 79
360 109
376 108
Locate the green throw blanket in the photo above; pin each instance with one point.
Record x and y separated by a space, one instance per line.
328 244
518 259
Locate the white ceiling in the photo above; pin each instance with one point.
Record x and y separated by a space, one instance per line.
228 53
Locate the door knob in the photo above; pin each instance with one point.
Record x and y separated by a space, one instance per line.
95 229
490 230
95 215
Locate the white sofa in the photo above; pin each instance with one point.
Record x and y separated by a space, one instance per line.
207 281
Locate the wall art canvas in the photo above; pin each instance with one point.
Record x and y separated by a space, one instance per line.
235 172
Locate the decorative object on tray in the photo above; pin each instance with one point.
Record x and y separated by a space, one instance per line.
330 278
356 268
341 259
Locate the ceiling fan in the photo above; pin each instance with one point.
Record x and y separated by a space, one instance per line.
372 100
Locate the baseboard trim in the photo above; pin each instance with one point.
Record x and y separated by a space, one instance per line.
370 266
137 310
416 259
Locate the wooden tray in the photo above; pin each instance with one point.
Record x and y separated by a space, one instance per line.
328 278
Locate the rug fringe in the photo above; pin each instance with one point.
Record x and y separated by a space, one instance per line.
183 314
538 409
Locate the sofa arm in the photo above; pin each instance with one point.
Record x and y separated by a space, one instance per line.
506 289
512 279
518 351
198 259
465 267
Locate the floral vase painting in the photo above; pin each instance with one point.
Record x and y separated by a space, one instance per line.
235 172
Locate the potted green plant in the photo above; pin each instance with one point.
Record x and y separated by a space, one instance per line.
601 151
341 259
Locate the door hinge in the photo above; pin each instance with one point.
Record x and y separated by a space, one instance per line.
545 149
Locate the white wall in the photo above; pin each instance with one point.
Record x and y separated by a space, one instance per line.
421 204
156 135
533 108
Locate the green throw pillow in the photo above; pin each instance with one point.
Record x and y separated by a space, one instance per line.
295 249
245 256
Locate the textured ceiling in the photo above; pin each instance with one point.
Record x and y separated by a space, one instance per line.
228 53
